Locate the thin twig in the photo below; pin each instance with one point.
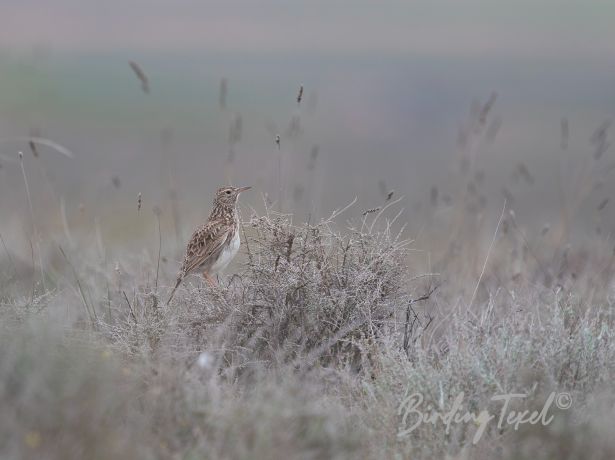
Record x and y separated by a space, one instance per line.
132 313
480 278
157 212
388 205
409 325
65 226
38 247
337 212
81 291
8 254
43 141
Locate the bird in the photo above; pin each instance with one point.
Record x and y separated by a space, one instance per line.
215 243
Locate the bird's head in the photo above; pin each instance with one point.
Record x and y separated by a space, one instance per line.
227 196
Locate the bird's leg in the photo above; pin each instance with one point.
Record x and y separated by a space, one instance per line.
209 279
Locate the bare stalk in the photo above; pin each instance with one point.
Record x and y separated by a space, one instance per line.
36 234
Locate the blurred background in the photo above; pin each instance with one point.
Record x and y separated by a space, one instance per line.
130 114
433 100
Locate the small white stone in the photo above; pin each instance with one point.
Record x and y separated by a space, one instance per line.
205 360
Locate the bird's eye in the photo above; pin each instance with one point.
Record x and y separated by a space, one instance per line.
228 192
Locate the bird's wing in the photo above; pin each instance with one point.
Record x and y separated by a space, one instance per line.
204 243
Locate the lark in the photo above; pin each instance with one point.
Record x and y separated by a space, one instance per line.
215 243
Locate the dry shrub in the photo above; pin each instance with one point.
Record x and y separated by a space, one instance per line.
312 294
306 294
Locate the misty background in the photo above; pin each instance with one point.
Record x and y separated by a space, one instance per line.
390 92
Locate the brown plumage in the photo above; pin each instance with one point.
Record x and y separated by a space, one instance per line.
214 244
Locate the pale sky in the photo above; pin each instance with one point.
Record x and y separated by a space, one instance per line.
393 81
553 29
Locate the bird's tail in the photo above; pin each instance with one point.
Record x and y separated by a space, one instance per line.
179 280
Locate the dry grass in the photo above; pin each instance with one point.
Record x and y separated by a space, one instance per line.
307 351
310 348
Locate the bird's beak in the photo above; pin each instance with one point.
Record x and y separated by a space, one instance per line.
243 189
